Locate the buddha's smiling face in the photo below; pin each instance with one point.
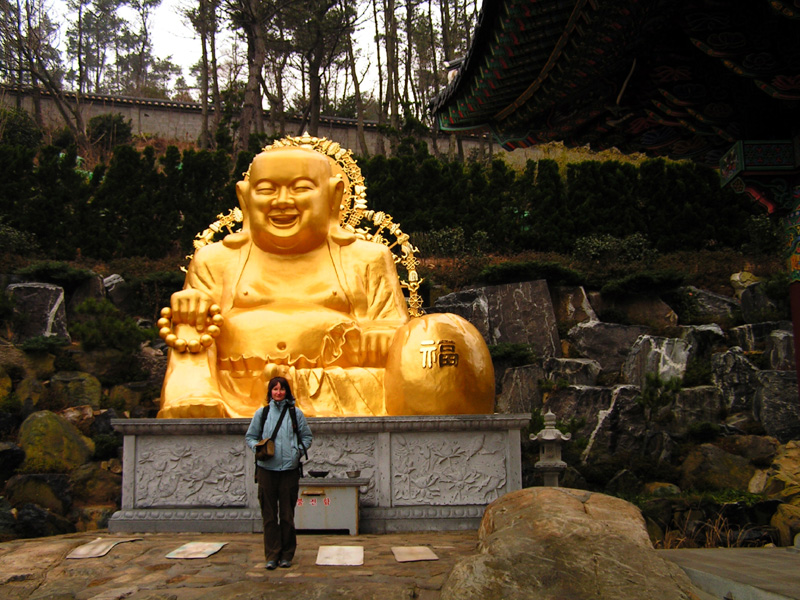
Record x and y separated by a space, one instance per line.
288 200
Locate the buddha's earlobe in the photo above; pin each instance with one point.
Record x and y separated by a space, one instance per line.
336 191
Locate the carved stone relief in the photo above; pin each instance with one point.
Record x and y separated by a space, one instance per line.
190 471
456 469
341 453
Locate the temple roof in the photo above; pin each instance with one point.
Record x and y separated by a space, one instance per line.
677 78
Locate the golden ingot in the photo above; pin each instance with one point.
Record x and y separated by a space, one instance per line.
194 346
434 363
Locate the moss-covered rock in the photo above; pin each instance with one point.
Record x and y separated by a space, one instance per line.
76 388
30 391
92 518
52 444
708 467
35 521
93 485
787 521
48 490
5 384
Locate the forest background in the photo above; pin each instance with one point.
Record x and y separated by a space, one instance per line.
94 194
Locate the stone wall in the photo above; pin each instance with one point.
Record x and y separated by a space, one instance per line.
182 121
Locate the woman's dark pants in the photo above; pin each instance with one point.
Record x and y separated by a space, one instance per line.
277 494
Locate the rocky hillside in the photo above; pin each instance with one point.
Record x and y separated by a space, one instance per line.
678 417
696 417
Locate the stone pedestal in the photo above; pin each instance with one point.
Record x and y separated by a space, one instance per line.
424 473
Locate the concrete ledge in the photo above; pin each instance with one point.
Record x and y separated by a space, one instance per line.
433 473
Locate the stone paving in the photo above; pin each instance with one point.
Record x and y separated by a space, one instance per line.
38 569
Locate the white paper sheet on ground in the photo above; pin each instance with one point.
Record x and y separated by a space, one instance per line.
98 547
343 556
196 550
412 553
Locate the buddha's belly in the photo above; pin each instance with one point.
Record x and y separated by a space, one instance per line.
300 335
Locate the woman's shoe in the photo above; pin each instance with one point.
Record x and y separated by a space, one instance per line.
284 564
271 565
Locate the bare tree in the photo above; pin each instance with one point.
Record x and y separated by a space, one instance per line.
27 32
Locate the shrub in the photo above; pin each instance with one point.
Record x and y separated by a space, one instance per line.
17 128
44 344
607 248
513 272
109 130
513 355
55 272
14 241
643 283
101 325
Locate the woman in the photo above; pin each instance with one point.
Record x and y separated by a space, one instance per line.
278 477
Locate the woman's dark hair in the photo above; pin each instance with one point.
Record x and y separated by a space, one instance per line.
284 384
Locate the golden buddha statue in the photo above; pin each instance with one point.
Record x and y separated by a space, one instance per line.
300 294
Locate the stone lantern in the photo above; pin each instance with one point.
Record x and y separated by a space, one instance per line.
550 438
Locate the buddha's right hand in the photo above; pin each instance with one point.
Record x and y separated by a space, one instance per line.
190 306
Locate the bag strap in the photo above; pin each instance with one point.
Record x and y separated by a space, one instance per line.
293 415
278 424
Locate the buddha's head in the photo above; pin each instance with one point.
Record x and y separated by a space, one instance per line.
290 200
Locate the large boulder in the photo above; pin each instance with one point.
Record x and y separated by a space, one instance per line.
8 521
645 310
48 490
547 543
30 391
5 384
574 371
91 288
752 337
93 485
38 310
760 450
710 307
664 357
784 474
708 467
520 389
52 444
693 406
735 376
11 456
572 305
76 388
787 521
34 521
775 404
514 313
117 288
780 350
607 343
758 307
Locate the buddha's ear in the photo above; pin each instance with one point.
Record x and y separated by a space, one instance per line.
336 193
234 240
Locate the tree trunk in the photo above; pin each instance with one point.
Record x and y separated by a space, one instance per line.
203 16
362 140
